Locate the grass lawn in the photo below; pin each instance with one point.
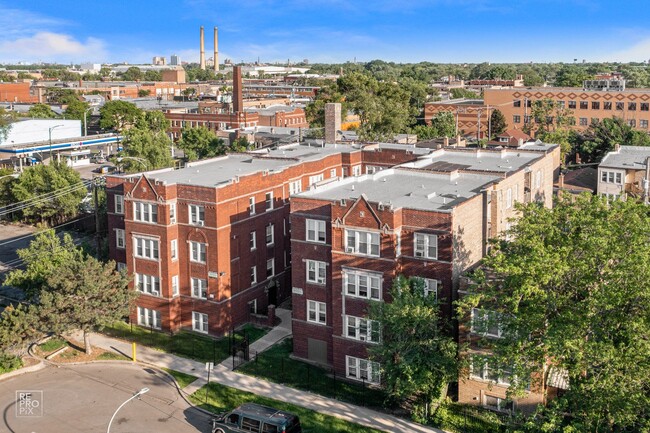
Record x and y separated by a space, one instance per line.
51 345
222 398
110 356
182 378
186 344
275 365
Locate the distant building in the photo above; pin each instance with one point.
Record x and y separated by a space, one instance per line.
511 138
90 67
173 75
471 115
175 60
625 171
159 61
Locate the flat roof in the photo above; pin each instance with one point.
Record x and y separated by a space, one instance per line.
627 157
487 160
219 171
406 188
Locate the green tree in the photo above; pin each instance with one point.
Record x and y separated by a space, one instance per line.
152 76
155 121
118 115
601 137
49 193
442 125
20 326
57 95
6 119
458 92
75 109
565 137
132 74
41 111
146 150
498 122
200 143
570 291
548 115
142 93
416 354
571 76
42 258
240 144
86 294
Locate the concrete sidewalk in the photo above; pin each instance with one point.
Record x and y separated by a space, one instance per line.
224 376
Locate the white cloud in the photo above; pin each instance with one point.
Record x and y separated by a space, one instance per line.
638 52
50 47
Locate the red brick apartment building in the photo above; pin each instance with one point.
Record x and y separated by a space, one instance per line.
210 243
429 218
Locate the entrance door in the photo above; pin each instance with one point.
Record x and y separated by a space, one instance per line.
273 294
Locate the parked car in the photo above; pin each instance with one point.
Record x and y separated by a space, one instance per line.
105 169
251 417
98 159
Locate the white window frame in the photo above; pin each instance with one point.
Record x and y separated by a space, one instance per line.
362 370
145 212
538 179
315 179
316 231
120 238
199 288
615 177
295 187
353 284
483 315
268 201
270 234
199 322
362 329
253 275
332 173
426 243
119 204
483 372
431 286
272 269
360 238
149 318
316 272
317 312
251 206
146 248
175 285
501 403
198 252
196 214
147 284
508 198
253 240
356 170
172 213
173 249
121 266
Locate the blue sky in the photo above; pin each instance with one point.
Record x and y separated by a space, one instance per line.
448 31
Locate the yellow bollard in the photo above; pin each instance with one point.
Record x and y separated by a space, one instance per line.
133 352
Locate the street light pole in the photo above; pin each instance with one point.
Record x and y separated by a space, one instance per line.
50 136
137 394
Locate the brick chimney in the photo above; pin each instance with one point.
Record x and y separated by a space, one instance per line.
237 98
332 122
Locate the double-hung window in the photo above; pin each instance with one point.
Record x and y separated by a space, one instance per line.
120 238
361 284
175 285
362 329
173 249
146 248
508 198
362 370
251 205
431 288
197 252
172 213
360 242
253 275
295 187
315 272
145 212
486 322
253 240
148 317
199 322
426 246
485 368
148 284
270 236
316 231
270 268
119 203
268 202
316 312
611 177
196 214
315 179
199 288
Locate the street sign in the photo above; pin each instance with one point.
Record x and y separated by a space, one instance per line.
209 366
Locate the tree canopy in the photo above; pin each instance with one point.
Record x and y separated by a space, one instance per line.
41 111
200 143
416 353
571 291
145 149
119 115
601 137
442 125
497 123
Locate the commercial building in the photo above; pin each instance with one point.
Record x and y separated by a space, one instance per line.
471 115
429 218
209 245
589 104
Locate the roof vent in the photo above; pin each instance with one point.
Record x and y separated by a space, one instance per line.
352 187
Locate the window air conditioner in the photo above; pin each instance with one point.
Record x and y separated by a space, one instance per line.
200 223
349 249
362 337
155 293
321 281
419 254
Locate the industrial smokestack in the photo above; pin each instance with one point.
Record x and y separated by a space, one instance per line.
237 98
216 49
202 60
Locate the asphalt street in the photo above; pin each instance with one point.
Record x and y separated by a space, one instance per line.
83 398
